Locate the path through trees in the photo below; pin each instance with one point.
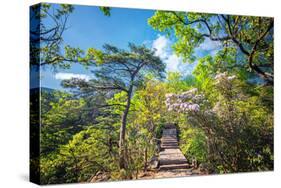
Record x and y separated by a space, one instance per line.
172 162
171 157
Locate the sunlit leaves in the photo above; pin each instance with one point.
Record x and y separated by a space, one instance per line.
65 9
194 144
72 53
84 155
105 10
217 122
242 36
94 54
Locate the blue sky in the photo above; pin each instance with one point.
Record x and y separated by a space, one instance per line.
88 27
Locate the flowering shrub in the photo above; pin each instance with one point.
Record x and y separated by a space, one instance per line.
223 76
184 102
190 101
227 123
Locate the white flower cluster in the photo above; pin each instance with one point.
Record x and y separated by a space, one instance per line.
184 102
224 77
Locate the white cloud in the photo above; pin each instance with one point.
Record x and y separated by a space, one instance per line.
67 76
173 62
209 45
162 46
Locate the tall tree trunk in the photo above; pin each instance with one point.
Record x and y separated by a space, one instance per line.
145 160
122 164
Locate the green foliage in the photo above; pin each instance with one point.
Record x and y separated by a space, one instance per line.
174 23
95 55
193 144
235 119
46 39
120 113
221 134
61 119
176 83
149 104
87 153
249 37
105 10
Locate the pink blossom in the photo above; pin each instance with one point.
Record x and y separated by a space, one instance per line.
231 77
184 102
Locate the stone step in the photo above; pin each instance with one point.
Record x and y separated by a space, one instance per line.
170 139
168 142
171 157
170 147
167 145
170 162
173 167
169 136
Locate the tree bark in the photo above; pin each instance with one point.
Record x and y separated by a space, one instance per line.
145 160
122 163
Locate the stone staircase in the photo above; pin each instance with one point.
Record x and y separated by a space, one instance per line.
170 157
